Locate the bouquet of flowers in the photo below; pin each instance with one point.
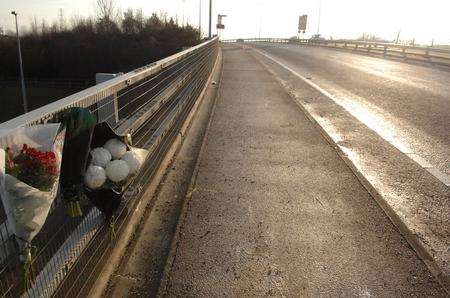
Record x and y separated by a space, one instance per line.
113 165
79 124
30 161
33 167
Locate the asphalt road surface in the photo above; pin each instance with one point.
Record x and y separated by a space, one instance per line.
406 104
276 212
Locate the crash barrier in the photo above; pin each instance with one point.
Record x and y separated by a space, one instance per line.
418 53
70 239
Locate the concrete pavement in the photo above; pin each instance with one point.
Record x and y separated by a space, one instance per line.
276 212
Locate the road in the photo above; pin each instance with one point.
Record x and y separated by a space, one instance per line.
408 105
274 209
276 212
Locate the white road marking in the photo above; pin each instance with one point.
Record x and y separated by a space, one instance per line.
444 178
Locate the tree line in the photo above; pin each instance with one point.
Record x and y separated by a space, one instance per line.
110 42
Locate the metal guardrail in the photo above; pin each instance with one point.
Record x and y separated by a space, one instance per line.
421 53
151 103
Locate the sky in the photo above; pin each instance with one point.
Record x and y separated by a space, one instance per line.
419 19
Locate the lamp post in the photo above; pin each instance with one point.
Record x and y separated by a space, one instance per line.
200 19
210 18
184 23
24 93
318 22
397 39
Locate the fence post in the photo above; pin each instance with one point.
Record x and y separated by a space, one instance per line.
108 109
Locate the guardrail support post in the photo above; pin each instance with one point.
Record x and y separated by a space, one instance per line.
108 109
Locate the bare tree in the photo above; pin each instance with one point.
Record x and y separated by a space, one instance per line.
62 20
44 27
128 22
34 26
106 10
108 16
140 20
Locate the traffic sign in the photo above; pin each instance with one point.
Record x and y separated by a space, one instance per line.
302 20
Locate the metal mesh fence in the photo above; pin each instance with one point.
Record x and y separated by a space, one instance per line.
151 103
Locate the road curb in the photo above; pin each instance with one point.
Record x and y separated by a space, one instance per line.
423 253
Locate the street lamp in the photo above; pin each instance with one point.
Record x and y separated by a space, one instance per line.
318 21
210 18
184 23
24 93
200 19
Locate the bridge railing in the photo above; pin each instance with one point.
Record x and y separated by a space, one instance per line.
151 103
420 53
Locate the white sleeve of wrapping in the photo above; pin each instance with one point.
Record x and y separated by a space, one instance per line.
39 136
2 167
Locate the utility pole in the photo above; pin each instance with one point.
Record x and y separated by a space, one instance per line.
24 93
184 22
200 19
320 13
210 18
260 24
398 37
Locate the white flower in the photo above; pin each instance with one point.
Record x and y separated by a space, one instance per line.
134 160
100 156
116 148
94 177
117 170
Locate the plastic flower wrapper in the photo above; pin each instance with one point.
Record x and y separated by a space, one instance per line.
29 182
79 124
120 171
135 158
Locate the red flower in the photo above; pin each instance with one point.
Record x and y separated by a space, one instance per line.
34 167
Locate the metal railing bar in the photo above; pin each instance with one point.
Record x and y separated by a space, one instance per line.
159 93
138 97
92 95
149 130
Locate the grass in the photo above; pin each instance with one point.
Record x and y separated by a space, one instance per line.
11 99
